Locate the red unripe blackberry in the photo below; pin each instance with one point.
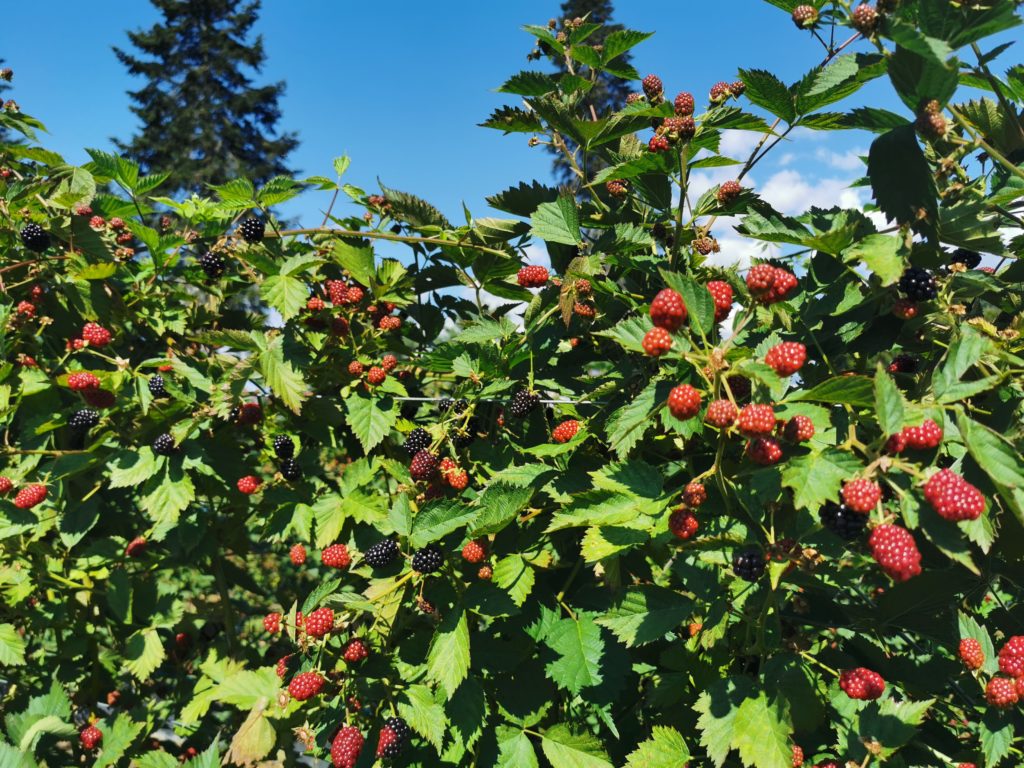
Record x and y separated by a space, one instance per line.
861 495
249 413
428 559
967 765
769 284
90 736
786 358
694 494
904 309
117 223
705 245
388 362
97 222
798 429
1001 692
376 375
532 276
272 623
684 401
355 651
584 310
721 292
423 466
683 523
617 188
728 192
668 310
248 484
485 573
737 88
971 653
30 496
895 550
719 92
389 323
765 451
924 437
798 756
473 551
1011 656
252 229
297 554
861 683
393 736
658 144
805 16
657 342
565 431
683 104
583 287
336 556
756 420
721 414
95 334
749 564
952 497
864 19
83 381
354 294
652 87
136 547
26 309
315 304
346 746
6 486
319 623
305 685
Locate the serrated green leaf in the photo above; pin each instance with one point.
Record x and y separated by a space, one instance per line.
629 423
665 749
131 468
762 733
279 374
254 738
565 749
448 659
143 653
881 254
514 574
437 519
285 294
816 477
851 390
645 614
12 646
901 178
515 750
424 715
117 739
580 647
718 706
370 419
889 403
767 91
557 222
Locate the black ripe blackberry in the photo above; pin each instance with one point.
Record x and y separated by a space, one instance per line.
460 405
234 414
417 440
428 559
423 466
903 364
252 229
970 259
843 522
84 419
381 554
918 285
748 564
156 386
284 447
163 445
522 403
463 438
35 238
290 470
393 736
444 404
213 264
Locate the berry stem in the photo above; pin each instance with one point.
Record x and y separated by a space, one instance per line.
814 661
394 586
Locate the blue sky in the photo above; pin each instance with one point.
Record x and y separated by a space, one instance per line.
401 86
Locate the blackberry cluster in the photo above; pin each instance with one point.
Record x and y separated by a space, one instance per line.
918 284
84 419
417 440
464 438
213 264
428 559
522 403
748 564
970 259
290 470
35 238
284 447
163 445
381 554
156 386
446 404
842 521
252 229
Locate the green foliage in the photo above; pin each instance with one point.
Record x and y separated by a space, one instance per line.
587 624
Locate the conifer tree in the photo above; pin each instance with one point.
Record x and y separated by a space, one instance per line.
203 119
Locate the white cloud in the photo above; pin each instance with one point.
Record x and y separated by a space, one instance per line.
741 251
738 144
846 161
793 193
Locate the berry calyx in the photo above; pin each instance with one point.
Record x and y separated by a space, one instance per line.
248 484
895 550
971 653
786 358
532 276
668 310
336 556
657 342
565 431
684 402
861 495
952 497
305 685
861 683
